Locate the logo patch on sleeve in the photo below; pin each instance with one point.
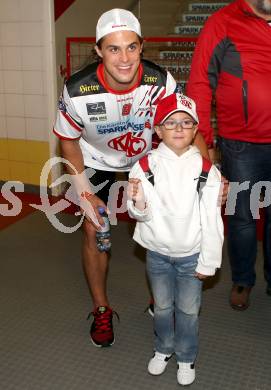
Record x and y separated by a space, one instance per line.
62 105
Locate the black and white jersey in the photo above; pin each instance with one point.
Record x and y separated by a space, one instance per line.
114 128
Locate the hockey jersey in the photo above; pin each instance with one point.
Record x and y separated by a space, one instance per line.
114 128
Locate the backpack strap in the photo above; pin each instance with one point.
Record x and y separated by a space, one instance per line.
144 163
206 166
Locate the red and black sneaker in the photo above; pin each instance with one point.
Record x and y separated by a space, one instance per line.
101 331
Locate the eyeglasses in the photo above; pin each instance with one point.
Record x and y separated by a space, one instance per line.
186 124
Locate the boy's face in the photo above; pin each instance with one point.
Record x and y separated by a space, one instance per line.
178 139
120 52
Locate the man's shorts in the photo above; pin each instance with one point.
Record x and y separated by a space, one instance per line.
100 177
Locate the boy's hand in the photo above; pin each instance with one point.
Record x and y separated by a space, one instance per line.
200 276
136 194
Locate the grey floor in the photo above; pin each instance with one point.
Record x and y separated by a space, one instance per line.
44 302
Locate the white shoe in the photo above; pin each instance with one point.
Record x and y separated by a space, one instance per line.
186 373
158 363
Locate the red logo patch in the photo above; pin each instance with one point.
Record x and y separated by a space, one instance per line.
186 103
126 109
147 124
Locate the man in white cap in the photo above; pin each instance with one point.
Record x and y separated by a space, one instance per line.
105 122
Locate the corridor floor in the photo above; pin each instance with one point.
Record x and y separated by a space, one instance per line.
44 303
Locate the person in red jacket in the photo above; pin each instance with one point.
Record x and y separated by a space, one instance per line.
232 61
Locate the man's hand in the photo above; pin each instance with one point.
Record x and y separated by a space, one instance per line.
136 194
89 203
224 190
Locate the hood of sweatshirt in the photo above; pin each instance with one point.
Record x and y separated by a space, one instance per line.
164 151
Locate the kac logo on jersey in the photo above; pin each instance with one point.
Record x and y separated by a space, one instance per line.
129 144
96 108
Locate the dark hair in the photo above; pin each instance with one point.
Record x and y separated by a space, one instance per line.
100 41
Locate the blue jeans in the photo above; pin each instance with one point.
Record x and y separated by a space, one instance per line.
245 161
177 299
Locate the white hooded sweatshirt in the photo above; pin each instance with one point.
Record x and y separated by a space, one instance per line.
177 221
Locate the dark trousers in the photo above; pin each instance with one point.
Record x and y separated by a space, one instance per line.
241 162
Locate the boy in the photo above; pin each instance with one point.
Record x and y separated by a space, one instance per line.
180 224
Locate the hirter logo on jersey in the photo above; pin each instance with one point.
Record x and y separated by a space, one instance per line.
96 108
129 144
126 109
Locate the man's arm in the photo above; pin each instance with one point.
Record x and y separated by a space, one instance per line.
210 155
205 72
201 144
203 81
71 151
204 151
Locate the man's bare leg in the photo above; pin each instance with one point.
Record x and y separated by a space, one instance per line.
96 267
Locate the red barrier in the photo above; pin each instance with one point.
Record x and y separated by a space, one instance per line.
61 6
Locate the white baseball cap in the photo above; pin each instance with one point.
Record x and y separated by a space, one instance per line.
117 19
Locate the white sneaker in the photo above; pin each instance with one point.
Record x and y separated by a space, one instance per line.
186 373
158 363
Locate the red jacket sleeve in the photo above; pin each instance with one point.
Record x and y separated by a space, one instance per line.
205 72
